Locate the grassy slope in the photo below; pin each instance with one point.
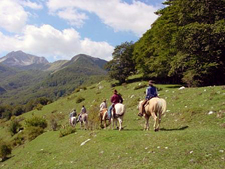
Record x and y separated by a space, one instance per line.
190 137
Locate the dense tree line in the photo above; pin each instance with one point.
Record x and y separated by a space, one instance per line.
186 44
7 111
122 65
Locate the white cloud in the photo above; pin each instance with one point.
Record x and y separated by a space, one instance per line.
93 48
12 16
8 43
75 18
136 17
32 5
50 42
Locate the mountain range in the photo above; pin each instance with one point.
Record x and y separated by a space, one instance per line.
24 77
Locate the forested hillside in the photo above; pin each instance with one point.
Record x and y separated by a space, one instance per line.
186 44
21 90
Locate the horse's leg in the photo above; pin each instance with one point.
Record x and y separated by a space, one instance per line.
156 121
86 125
120 123
112 123
70 121
101 117
147 122
160 115
117 123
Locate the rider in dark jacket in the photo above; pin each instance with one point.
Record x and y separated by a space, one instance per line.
151 92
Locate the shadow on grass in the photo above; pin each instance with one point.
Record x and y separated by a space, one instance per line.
181 128
6 158
174 86
139 79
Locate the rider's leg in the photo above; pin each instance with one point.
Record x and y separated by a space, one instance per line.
142 107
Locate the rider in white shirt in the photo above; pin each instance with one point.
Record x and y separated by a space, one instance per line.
103 105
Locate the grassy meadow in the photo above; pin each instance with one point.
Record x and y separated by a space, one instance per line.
192 132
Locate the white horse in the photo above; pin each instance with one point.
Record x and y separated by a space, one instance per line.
118 115
83 119
73 121
155 107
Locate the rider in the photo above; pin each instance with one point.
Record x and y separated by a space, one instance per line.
103 105
83 111
116 98
151 92
72 114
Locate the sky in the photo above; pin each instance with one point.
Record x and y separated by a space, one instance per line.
61 29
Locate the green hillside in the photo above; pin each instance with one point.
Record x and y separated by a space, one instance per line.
63 77
192 132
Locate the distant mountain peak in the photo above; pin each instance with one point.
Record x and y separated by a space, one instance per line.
21 59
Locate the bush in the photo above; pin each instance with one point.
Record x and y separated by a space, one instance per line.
5 150
93 118
32 132
80 89
66 131
14 127
80 99
18 140
53 122
36 122
39 106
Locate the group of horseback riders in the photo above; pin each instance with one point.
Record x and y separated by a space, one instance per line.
151 92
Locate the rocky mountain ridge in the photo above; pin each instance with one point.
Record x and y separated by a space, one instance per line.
21 59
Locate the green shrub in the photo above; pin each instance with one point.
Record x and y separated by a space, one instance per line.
80 88
32 132
53 122
92 87
80 99
18 140
5 150
66 131
14 127
93 118
39 106
36 122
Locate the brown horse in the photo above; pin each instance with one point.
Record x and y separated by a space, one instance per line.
155 107
103 115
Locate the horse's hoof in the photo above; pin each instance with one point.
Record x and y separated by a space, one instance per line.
140 115
156 130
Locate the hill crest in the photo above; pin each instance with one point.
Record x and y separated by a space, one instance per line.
21 59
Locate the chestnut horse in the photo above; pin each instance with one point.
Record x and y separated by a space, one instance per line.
155 107
103 115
